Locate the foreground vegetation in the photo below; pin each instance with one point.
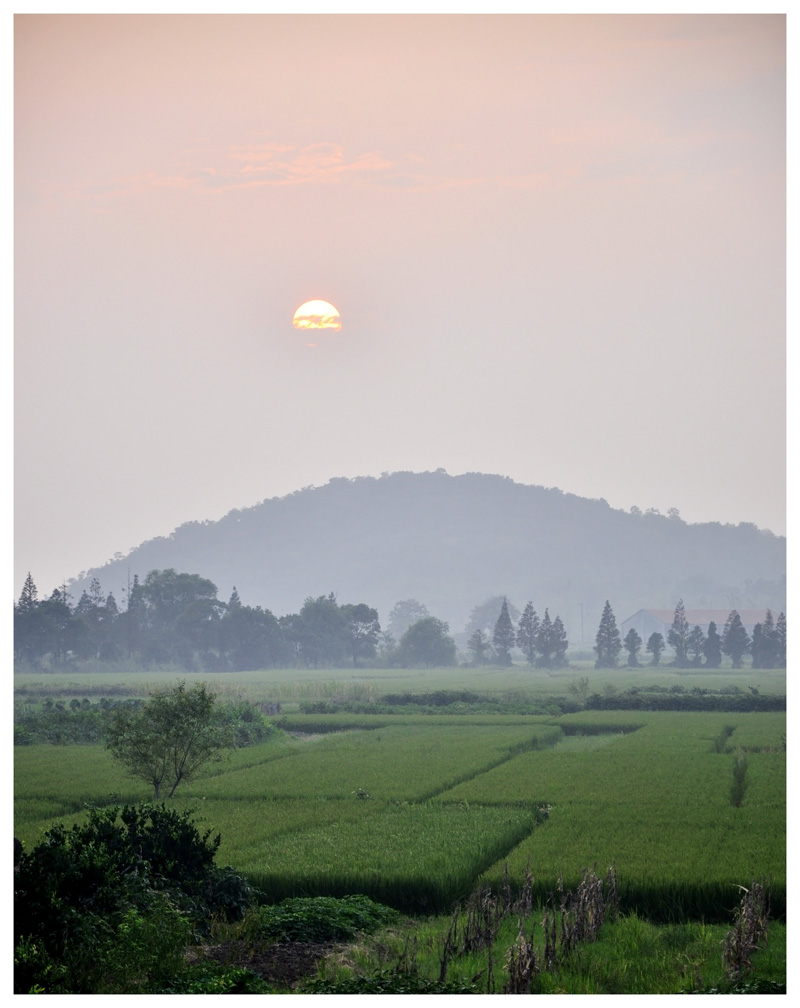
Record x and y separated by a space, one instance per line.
414 810
574 942
117 905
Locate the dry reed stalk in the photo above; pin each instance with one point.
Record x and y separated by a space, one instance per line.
748 932
522 964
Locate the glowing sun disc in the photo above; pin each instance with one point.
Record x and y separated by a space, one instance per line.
317 315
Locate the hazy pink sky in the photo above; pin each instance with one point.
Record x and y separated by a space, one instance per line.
556 243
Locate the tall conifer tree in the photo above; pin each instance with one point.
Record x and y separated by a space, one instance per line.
29 596
527 632
504 636
560 644
607 642
735 639
678 636
780 641
544 642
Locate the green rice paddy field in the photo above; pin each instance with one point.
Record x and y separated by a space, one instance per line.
416 810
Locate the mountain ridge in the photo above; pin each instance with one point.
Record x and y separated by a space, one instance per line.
453 541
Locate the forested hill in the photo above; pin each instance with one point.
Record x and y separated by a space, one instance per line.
453 541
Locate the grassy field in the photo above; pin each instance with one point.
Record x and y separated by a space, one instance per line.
415 810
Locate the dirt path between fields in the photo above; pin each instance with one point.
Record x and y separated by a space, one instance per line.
283 963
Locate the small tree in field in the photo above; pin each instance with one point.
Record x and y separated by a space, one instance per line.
405 613
655 645
633 643
579 689
167 740
478 645
426 643
712 648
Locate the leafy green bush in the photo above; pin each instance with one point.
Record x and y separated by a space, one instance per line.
214 978
227 894
110 904
319 919
249 724
132 950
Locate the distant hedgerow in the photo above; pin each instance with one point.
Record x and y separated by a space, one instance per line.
58 722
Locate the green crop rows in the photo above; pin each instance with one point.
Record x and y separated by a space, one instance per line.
417 809
415 857
404 762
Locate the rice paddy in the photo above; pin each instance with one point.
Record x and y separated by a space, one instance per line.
414 810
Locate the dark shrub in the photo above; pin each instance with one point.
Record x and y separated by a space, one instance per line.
110 904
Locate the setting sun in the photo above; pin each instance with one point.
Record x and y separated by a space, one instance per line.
317 315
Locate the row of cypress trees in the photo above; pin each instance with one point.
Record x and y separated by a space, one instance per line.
543 641
693 647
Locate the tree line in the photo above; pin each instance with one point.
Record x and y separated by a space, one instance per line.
176 618
692 646
173 618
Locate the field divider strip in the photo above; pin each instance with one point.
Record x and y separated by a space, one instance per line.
510 754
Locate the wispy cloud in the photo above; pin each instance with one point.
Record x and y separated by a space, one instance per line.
285 164
276 164
246 166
